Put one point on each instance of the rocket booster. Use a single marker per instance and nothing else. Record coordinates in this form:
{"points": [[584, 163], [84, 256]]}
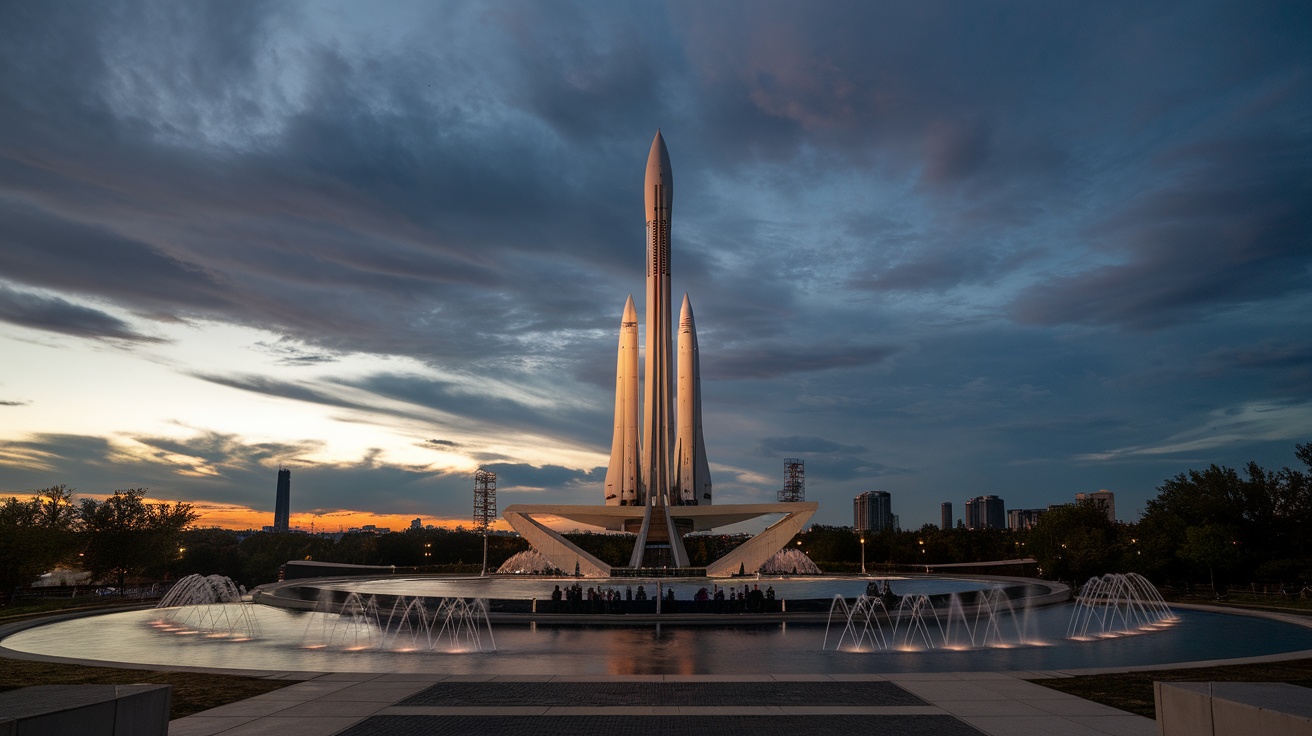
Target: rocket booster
{"points": [[622, 475], [692, 474]]}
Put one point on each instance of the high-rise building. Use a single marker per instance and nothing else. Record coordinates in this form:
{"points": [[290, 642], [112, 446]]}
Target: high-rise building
{"points": [[985, 512], [873, 512], [1023, 518], [945, 515], [283, 502], [1104, 497]]}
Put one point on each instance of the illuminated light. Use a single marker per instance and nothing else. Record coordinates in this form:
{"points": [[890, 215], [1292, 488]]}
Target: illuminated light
{"points": [[356, 649], [314, 646]]}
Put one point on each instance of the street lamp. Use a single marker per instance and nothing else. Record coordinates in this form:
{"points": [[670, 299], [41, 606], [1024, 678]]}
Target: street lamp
{"points": [[863, 555]]}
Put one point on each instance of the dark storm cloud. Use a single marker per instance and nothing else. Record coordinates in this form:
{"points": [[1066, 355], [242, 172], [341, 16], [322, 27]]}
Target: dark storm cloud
{"points": [[14, 403], [60, 315], [552, 477], [291, 352], [480, 408], [765, 361], [281, 389], [484, 407], [1235, 227], [809, 445]]}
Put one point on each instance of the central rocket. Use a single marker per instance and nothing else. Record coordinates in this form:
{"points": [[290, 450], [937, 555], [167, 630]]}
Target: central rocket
{"points": [[658, 404]]}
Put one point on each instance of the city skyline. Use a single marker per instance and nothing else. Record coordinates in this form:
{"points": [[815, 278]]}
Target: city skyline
{"points": [[945, 252]]}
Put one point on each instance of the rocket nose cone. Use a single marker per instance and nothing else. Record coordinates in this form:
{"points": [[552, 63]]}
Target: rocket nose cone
{"points": [[686, 309], [630, 313], [659, 184]]}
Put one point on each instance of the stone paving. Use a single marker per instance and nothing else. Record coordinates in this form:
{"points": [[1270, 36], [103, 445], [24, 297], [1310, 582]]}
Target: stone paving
{"points": [[953, 704]]}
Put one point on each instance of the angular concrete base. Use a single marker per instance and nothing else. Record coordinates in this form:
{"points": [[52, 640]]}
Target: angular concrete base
{"points": [[1232, 709], [86, 710], [749, 556]]}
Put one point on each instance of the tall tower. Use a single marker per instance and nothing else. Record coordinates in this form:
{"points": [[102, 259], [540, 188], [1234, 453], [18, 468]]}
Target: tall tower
{"points": [[692, 474], [794, 489], [658, 188], [622, 475], [282, 503]]}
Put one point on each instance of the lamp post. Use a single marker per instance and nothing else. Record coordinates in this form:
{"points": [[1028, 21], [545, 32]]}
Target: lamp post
{"points": [[863, 555]]}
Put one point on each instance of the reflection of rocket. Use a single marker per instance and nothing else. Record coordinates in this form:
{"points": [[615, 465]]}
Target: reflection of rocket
{"points": [[622, 475], [692, 475], [658, 191]]}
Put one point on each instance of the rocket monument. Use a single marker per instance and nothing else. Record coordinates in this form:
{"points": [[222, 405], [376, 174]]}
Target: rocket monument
{"points": [[658, 482]]}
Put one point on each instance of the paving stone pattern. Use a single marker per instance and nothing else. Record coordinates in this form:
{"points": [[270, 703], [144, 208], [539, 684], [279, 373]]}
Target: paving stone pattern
{"points": [[623, 725], [629, 694]]}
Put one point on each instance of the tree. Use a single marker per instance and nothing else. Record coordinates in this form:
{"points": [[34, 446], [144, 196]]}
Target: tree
{"points": [[1075, 542], [1264, 514], [125, 536], [35, 535], [1211, 546]]}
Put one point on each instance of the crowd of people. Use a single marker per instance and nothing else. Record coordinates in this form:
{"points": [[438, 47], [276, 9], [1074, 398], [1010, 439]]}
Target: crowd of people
{"points": [[716, 599]]}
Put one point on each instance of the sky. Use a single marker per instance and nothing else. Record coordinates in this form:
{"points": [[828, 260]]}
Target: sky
{"points": [[936, 249]]}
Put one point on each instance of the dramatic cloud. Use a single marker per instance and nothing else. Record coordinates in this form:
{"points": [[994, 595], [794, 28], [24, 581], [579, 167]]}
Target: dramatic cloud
{"points": [[957, 248], [54, 314]]}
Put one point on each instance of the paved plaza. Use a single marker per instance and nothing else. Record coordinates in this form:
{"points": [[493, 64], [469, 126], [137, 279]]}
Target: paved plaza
{"points": [[952, 704]]}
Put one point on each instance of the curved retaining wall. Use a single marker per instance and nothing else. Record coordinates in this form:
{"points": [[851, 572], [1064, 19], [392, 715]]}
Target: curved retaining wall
{"points": [[311, 594]]}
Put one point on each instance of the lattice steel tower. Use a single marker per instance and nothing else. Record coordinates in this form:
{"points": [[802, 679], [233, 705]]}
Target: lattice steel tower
{"points": [[485, 499], [794, 489]]}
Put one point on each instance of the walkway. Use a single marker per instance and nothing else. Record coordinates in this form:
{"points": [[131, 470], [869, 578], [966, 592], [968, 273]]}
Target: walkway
{"points": [[658, 705]]}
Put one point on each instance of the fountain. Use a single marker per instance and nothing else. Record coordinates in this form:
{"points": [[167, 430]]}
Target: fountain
{"points": [[915, 623], [210, 606], [529, 562], [789, 561], [1118, 604], [410, 625]]}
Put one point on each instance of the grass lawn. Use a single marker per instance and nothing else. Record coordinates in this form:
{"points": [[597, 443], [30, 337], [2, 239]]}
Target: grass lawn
{"points": [[192, 691], [1133, 691]]}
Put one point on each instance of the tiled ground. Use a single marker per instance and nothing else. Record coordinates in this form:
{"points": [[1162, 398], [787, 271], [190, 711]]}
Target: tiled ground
{"points": [[661, 693], [932, 703]]}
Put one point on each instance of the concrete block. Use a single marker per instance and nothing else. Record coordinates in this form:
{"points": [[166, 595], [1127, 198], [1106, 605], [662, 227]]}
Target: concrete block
{"points": [[1183, 708], [85, 710], [1233, 709], [142, 710]]}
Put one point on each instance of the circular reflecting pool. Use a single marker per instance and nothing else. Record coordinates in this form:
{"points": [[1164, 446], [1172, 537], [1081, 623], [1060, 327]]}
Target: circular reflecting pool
{"points": [[523, 649]]}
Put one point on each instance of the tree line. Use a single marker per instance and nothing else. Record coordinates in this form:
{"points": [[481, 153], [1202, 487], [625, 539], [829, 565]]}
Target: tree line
{"points": [[1210, 527], [120, 538], [1213, 527]]}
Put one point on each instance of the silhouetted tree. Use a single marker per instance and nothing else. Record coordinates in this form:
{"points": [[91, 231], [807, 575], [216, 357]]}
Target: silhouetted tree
{"points": [[125, 536], [209, 551], [1264, 515], [1075, 542], [35, 535]]}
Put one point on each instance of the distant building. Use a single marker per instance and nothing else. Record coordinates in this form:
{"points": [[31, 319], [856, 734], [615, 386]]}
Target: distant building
{"points": [[873, 512], [1023, 518], [283, 502], [1105, 497], [416, 523], [985, 512], [945, 515]]}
